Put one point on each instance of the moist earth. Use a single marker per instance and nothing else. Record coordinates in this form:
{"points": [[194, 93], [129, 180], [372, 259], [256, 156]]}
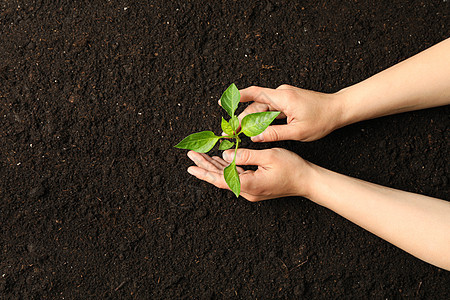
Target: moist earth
{"points": [[96, 202]]}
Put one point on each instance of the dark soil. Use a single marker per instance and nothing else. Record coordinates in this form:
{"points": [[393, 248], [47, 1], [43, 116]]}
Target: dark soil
{"points": [[96, 202]]}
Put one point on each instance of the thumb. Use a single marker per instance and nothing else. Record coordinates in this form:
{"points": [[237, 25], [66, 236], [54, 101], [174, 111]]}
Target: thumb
{"points": [[248, 157], [275, 133]]}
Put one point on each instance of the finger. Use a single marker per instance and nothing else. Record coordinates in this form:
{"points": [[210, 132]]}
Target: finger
{"points": [[249, 157], [220, 161], [209, 176], [218, 181], [202, 162], [260, 95], [259, 107], [240, 170], [225, 164], [286, 87], [212, 161], [254, 108], [276, 133]]}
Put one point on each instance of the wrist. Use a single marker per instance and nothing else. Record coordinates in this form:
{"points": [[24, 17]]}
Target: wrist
{"points": [[306, 180], [315, 183], [342, 108]]}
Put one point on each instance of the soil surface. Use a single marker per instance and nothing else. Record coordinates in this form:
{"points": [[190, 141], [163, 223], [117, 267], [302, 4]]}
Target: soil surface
{"points": [[96, 202]]}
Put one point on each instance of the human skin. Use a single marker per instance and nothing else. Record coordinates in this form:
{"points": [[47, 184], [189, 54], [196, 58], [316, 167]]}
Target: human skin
{"points": [[418, 224], [419, 82], [415, 223]]}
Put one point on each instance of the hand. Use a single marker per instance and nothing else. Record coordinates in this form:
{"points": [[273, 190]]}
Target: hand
{"points": [[280, 172], [310, 115]]}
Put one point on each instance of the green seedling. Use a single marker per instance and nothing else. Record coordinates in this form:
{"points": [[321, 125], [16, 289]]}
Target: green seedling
{"points": [[251, 125]]}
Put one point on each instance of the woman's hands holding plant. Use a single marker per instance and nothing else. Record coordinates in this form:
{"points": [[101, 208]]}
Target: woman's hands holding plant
{"points": [[310, 115]]}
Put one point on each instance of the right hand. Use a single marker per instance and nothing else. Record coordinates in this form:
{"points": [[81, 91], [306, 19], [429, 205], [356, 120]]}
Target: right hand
{"points": [[310, 115]]}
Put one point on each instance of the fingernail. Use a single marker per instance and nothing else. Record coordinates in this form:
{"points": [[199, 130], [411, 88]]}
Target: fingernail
{"points": [[226, 156], [190, 171], [258, 138], [191, 156]]}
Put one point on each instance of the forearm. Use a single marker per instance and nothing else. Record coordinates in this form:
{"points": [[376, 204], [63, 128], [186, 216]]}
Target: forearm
{"points": [[419, 82], [418, 224]]}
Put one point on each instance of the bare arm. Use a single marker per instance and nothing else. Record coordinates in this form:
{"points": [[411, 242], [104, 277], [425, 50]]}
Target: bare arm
{"points": [[418, 224], [419, 82]]}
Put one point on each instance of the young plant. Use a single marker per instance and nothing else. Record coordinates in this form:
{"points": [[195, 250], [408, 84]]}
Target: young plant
{"points": [[251, 125]]}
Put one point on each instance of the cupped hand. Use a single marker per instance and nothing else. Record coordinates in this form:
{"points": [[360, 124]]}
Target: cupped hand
{"points": [[280, 172], [310, 115]]}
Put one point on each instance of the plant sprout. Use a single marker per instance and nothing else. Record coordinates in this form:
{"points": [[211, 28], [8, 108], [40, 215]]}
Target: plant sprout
{"points": [[251, 125]]}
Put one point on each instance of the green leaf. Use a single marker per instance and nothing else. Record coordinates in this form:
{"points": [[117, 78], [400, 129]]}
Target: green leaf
{"points": [[234, 123], [225, 145], [254, 124], [230, 99], [232, 178], [200, 142], [226, 127]]}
